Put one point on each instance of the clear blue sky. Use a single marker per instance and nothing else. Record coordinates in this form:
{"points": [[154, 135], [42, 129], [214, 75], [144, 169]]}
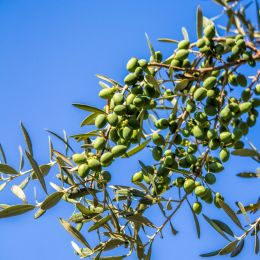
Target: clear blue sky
{"points": [[49, 54]]}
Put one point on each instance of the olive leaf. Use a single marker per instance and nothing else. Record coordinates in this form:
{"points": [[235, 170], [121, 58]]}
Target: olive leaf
{"points": [[15, 210], [199, 22], [230, 213], [37, 171], [245, 152], [89, 120], [3, 154], [5, 168], [185, 33], [52, 200], [108, 80], [238, 249], [214, 253], [89, 108], [74, 232], [152, 52], [228, 248], [100, 223], [248, 175], [17, 191], [27, 139]]}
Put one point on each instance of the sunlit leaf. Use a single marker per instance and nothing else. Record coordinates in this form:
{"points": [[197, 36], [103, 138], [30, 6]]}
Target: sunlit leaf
{"points": [[5, 168], [100, 223], [17, 191], [27, 139], [199, 22], [136, 149], [52, 200], [228, 248], [15, 210]]}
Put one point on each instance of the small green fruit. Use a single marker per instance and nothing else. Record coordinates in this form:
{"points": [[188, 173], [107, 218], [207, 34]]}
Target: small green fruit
{"points": [[118, 98], [209, 82], [245, 107], [78, 158], [209, 31], [189, 185], [132, 64], [106, 93], [181, 55], [200, 43], [157, 153], [200, 94], [118, 150], [224, 155], [100, 121], [120, 110], [94, 164], [106, 176], [197, 207], [112, 119], [106, 158], [130, 79], [257, 89], [198, 132], [83, 170], [137, 177], [99, 143], [158, 139], [200, 191], [210, 178], [185, 44], [225, 137], [127, 132]]}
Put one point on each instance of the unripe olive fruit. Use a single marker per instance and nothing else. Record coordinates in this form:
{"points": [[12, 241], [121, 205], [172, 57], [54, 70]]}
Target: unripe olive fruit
{"points": [[106, 176], [215, 167], [181, 55], [212, 134], [241, 80], [137, 177], [106, 158], [200, 191], [78, 158], [176, 63], [158, 139], [149, 90], [211, 110], [157, 153], [143, 63], [99, 143], [94, 164], [237, 134], [210, 178], [214, 144], [224, 155], [179, 182], [239, 145], [200, 94], [230, 42], [83, 170], [197, 207], [100, 121], [235, 50], [189, 185], [112, 119], [246, 94], [193, 148], [132, 64], [113, 135], [209, 82], [198, 132], [127, 132], [120, 110], [162, 123], [106, 93], [130, 79], [200, 43], [257, 89], [190, 106], [209, 31], [225, 136], [245, 107], [118, 150], [118, 98], [184, 44], [225, 113]]}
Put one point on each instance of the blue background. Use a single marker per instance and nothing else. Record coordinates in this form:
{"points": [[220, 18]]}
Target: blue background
{"points": [[49, 54]]}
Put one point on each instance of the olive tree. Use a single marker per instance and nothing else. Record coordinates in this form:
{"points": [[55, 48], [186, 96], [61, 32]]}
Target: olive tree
{"points": [[190, 111]]}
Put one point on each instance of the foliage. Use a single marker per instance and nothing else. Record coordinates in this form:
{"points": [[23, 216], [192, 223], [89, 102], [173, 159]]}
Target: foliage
{"points": [[189, 110]]}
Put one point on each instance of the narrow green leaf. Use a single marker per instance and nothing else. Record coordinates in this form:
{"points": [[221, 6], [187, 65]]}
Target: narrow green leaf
{"points": [[243, 210], [89, 120], [248, 175], [5, 168], [214, 253], [15, 210], [52, 200], [21, 158], [152, 52], [100, 223], [37, 171], [74, 232], [3, 185], [167, 40], [17, 191], [245, 152], [224, 227], [136, 149], [27, 139], [44, 168], [250, 207], [112, 81], [199, 22], [24, 183], [230, 213], [256, 244], [89, 108], [197, 224], [39, 213], [238, 249], [215, 226], [185, 33], [228, 248], [181, 85], [3, 154], [82, 137], [61, 139], [149, 252], [137, 218], [257, 14]]}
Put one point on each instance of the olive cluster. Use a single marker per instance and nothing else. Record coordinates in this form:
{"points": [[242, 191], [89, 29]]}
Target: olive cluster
{"points": [[195, 139]]}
